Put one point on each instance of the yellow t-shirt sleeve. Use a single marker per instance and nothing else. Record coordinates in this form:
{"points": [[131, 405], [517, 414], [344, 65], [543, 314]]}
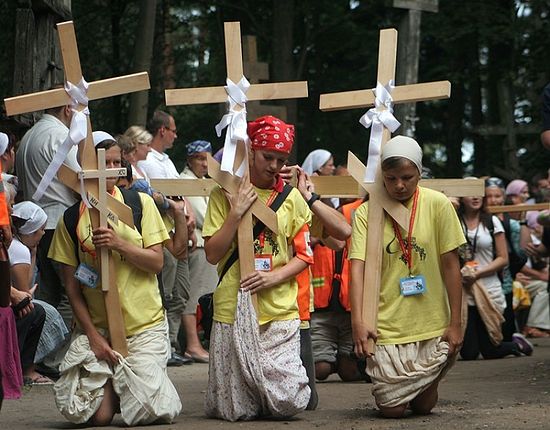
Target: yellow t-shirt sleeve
{"points": [[218, 208], [450, 231], [301, 215], [359, 233], [62, 248], [153, 230]]}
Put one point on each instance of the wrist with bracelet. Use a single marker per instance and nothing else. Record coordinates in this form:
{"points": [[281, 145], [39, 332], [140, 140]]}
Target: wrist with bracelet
{"points": [[314, 197]]}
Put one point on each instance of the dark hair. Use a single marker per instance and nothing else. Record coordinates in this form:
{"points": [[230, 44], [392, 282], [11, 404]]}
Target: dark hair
{"points": [[106, 144], [129, 173], [396, 162], [484, 216], [17, 223], [160, 119]]}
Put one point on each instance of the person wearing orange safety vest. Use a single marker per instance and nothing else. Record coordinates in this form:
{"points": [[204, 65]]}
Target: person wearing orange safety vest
{"points": [[331, 322], [325, 221]]}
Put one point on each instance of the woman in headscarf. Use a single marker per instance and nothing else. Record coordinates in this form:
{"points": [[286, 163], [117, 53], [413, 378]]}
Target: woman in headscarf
{"points": [[517, 193], [419, 326], [29, 221], [257, 371]]}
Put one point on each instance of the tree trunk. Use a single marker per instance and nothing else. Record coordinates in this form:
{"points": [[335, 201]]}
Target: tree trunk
{"points": [[145, 34], [283, 68], [167, 52]]}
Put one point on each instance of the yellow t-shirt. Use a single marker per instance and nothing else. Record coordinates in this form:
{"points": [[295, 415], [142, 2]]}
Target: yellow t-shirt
{"points": [[405, 319], [139, 293], [276, 303]]}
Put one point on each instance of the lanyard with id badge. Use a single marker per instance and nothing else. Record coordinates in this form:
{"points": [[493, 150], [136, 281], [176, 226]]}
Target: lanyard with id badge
{"points": [[264, 262], [411, 285]]}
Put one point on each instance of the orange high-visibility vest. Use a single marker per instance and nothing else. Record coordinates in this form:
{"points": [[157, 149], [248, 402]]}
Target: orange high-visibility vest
{"points": [[348, 211], [4, 216]]}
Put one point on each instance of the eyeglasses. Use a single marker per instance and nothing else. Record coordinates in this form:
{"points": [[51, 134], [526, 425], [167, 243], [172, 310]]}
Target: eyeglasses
{"points": [[173, 130], [494, 182]]}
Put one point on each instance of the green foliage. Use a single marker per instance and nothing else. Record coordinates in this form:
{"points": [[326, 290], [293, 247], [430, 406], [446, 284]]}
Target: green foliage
{"points": [[476, 44]]}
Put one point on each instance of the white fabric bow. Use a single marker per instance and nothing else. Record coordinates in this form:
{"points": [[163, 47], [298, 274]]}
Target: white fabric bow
{"points": [[235, 121], [78, 131], [380, 116]]}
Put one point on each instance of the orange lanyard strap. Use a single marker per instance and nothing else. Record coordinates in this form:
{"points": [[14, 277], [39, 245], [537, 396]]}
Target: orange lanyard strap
{"points": [[261, 237], [407, 251]]}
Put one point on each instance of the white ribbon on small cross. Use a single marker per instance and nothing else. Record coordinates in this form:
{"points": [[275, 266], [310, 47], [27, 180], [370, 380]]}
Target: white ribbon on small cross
{"points": [[235, 121], [78, 131], [380, 116]]}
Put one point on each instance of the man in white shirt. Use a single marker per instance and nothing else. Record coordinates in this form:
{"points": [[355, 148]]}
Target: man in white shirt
{"points": [[175, 273], [33, 157]]}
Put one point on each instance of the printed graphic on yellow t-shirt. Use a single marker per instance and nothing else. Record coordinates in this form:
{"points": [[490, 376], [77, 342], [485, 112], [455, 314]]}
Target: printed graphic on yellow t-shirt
{"points": [[436, 231]]}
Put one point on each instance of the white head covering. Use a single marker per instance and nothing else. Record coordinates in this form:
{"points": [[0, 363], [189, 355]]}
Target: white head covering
{"points": [[34, 216], [315, 160], [405, 147], [4, 141], [100, 136]]}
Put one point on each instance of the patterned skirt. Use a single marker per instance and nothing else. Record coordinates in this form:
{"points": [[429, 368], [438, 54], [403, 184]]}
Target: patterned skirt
{"points": [[255, 371]]}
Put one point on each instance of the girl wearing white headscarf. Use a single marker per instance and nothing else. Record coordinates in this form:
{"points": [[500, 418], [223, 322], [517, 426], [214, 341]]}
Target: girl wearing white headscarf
{"points": [[29, 221], [419, 312]]}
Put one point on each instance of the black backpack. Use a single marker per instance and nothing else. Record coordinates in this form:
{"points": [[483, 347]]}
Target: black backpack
{"points": [[70, 216]]}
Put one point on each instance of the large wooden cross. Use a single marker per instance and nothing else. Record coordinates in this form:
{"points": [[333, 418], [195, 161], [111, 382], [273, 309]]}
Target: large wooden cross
{"points": [[104, 207], [379, 200], [234, 63]]}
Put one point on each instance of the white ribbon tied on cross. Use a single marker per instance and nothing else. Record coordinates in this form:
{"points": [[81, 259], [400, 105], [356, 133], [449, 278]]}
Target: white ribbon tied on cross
{"points": [[235, 121], [78, 131], [380, 116]]}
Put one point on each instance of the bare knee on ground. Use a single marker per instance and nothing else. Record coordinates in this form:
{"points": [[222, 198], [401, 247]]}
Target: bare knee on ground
{"points": [[109, 406]]}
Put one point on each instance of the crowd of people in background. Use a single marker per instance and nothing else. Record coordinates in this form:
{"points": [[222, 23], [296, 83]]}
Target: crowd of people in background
{"points": [[492, 266]]}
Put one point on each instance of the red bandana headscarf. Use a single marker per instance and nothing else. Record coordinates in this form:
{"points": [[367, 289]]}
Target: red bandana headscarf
{"points": [[271, 134]]}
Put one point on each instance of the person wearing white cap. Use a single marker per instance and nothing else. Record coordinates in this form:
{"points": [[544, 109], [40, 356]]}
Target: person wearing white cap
{"points": [[34, 155], [419, 313], [96, 380]]}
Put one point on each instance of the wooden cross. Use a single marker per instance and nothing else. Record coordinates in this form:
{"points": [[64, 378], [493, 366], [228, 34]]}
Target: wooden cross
{"points": [[234, 63], [379, 199], [93, 173], [256, 71], [326, 186]]}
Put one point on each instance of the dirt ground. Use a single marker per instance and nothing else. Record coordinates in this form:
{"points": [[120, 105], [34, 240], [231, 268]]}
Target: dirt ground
{"points": [[512, 393]]}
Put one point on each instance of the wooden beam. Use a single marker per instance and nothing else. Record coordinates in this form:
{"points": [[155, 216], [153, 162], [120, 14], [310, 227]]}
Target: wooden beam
{"points": [[184, 187], [401, 94], [231, 183], [70, 179], [58, 97], [519, 208], [193, 96]]}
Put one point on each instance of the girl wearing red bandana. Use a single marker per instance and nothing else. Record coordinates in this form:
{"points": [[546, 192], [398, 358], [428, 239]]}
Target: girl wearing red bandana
{"points": [[258, 372]]}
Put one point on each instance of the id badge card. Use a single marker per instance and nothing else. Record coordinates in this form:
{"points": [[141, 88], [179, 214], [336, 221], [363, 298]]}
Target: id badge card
{"points": [[263, 263], [412, 285], [86, 275]]}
